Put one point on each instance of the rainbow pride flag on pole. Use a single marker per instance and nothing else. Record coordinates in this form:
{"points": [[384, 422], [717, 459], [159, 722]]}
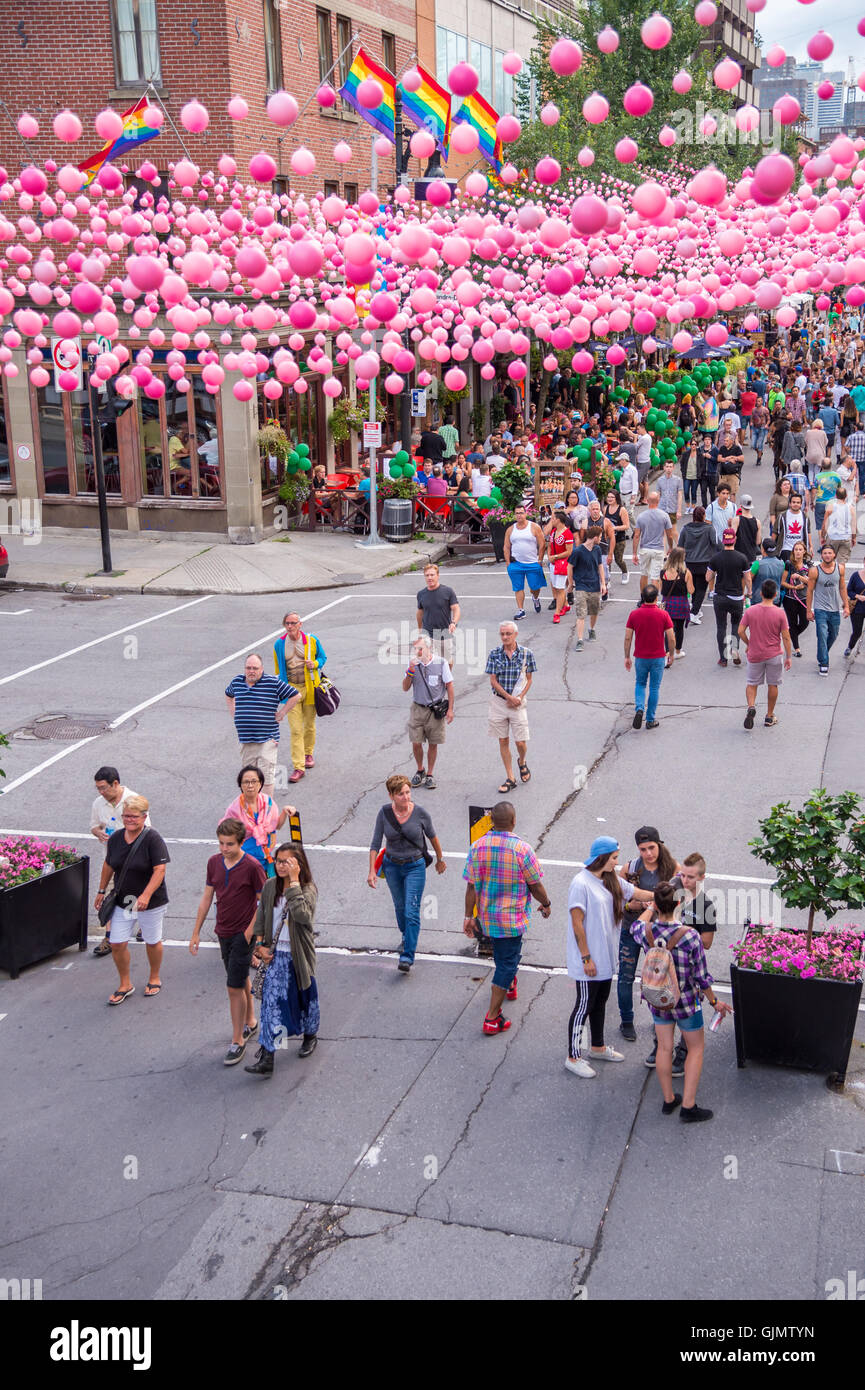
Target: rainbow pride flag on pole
{"points": [[135, 132], [478, 112], [429, 108], [381, 117]]}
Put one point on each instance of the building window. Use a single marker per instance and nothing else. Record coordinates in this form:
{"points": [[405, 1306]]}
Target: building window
{"points": [[343, 47], [351, 192], [504, 87], [388, 51], [325, 45], [136, 42], [451, 49], [6, 478], [331, 188], [272, 46], [481, 59]]}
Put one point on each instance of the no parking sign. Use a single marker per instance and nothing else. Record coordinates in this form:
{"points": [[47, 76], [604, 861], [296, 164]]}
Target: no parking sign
{"points": [[66, 356]]}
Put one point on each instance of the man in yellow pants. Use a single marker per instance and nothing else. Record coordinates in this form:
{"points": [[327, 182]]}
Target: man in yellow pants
{"points": [[298, 657]]}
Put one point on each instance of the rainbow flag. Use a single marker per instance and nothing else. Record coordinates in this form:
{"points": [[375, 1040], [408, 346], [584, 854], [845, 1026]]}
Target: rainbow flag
{"points": [[429, 108], [135, 132], [382, 117], [481, 115]]}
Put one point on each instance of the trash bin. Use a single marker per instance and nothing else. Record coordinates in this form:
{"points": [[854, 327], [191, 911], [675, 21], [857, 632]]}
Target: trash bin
{"points": [[397, 518]]}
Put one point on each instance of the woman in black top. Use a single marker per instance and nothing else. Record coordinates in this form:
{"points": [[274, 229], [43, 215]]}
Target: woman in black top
{"points": [[747, 528], [136, 858], [794, 591], [677, 585], [617, 513], [405, 828]]}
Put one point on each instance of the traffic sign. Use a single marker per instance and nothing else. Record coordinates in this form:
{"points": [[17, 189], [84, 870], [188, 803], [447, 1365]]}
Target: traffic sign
{"points": [[418, 401], [372, 434], [66, 355]]}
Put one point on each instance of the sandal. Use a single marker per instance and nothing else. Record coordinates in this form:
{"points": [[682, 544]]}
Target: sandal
{"points": [[151, 990], [104, 948], [507, 786], [525, 774], [120, 994]]}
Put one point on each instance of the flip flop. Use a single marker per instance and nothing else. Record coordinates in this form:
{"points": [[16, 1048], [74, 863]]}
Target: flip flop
{"points": [[119, 995], [151, 990]]}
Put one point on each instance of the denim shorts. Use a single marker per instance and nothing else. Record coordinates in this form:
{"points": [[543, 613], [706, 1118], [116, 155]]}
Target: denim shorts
{"points": [[686, 1025], [506, 954]]}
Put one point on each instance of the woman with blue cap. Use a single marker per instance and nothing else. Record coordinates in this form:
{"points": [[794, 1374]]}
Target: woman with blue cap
{"points": [[595, 900]]}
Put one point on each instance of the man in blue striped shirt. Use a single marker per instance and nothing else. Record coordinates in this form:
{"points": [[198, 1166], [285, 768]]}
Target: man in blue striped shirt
{"points": [[257, 703]]}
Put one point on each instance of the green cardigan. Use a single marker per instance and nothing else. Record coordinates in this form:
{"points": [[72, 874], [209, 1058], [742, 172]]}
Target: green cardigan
{"points": [[300, 919]]}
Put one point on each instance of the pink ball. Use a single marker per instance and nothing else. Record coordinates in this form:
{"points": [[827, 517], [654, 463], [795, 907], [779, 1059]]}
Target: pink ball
{"points": [[586, 157], [342, 152], [39, 376], [582, 362], [786, 317], [243, 390], [185, 173], [786, 110], [682, 341], [512, 63], [716, 335], [860, 28], [727, 74], [774, 176], [67, 381], [464, 138], [705, 12], [550, 363], [272, 390], [28, 126], [262, 167], [33, 181], [615, 355], [67, 127], [516, 371], [565, 57], [550, 114], [476, 184], [332, 388], [108, 124], [657, 31], [251, 262], [649, 199], [456, 379], [820, 46], [608, 40], [412, 80], [775, 56], [626, 151], [588, 215], [747, 118], [238, 109], [666, 136], [194, 116], [754, 6], [422, 144], [826, 91], [682, 82], [508, 129], [282, 108], [596, 108], [302, 160], [708, 187], [326, 96], [463, 79], [384, 307], [393, 384], [438, 193], [370, 93], [638, 100], [383, 149], [548, 170]]}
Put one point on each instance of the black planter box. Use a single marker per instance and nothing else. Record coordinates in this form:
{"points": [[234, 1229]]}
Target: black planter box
{"points": [[788, 1022], [44, 916], [497, 531]]}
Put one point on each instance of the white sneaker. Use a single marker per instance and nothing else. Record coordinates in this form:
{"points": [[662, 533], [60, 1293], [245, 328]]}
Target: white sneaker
{"points": [[625, 577], [609, 1054], [579, 1067], [696, 618], [679, 655]]}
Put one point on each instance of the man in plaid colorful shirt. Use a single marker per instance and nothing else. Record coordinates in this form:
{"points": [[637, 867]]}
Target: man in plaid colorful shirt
{"points": [[510, 668], [502, 876], [854, 448]]}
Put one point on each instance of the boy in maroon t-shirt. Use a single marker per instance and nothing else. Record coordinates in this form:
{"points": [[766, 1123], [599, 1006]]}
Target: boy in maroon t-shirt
{"points": [[655, 640], [236, 879]]}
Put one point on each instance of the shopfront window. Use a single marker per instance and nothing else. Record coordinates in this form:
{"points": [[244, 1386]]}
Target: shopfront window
{"points": [[66, 440], [301, 415], [179, 443], [5, 439]]}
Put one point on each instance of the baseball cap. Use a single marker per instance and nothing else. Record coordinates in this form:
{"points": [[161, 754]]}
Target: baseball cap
{"points": [[647, 832], [620, 457], [745, 500], [729, 536], [604, 844]]}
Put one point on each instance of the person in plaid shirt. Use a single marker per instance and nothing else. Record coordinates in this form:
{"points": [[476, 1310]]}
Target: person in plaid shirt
{"points": [[502, 876], [695, 982], [510, 668]]}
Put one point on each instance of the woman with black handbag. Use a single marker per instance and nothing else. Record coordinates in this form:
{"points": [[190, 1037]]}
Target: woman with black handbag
{"points": [[137, 860], [403, 863], [284, 951]]}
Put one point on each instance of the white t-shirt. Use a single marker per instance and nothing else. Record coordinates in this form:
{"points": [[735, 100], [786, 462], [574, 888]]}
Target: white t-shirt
{"points": [[588, 892], [481, 483], [629, 482], [838, 394], [849, 479], [644, 448], [108, 816]]}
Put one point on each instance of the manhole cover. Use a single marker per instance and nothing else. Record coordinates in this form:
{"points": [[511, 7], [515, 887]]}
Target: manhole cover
{"points": [[66, 727]]}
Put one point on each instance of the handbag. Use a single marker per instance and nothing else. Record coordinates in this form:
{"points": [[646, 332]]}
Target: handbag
{"points": [[427, 857], [257, 986], [112, 899], [439, 707], [326, 697]]}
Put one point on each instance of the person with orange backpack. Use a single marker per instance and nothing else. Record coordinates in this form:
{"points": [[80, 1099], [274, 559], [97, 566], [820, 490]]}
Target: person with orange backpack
{"points": [[675, 980]]}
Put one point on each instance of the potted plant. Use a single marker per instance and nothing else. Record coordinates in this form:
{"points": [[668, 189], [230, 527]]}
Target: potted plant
{"points": [[347, 416], [796, 992], [43, 901]]}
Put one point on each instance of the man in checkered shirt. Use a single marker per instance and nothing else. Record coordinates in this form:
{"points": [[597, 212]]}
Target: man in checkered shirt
{"points": [[854, 448], [510, 668]]}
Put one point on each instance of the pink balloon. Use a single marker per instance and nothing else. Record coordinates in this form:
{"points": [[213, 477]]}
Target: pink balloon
{"points": [[393, 384], [464, 138], [39, 377], [332, 388], [455, 379], [516, 371], [607, 40], [463, 79], [272, 390], [566, 57], [826, 91], [586, 157], [550, 114], [657, 31], [508, 129], [582, 362], [412, 80], [775, 56], [786, 110], [243, 390], [705, 12], [666, 136], [820, 46], [67, 126], [682, 82], [588, 215], [716, 335], [238, 109], [786, 317], [370, 93], [727, 74], [548, 170], [282, 109], [626, 151], [649, 199], [512, 63], [615, 355], [108, 124], [774, 176], [262, 167], [302, 160], [638, 100], [194, 116], [422, 144], [342, 152], [596, 108], [384, 149], [28, 126], [682, 341]]}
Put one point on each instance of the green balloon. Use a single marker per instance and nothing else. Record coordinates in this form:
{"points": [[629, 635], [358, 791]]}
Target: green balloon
{"points": [[395, 469], [584, 454], [408, 470], [496, 494], [305, 464], [303, 450], [291, 467], [402, 458], [485, 504], [294, 457]]}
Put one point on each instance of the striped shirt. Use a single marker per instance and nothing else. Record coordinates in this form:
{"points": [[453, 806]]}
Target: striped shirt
{"points": [[501, 866], [255, 707]]}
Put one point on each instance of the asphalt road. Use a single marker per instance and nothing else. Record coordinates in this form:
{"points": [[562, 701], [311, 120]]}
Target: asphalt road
{"points": [[410, 1151]]}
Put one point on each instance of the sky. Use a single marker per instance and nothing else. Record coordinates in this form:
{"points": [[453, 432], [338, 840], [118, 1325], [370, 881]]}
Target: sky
{"points": [[792, 24]]}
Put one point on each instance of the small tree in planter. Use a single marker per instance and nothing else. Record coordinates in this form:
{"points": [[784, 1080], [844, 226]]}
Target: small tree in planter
{"points": [[796, 993]]}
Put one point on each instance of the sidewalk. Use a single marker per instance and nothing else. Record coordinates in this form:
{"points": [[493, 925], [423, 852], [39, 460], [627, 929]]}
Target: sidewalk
{"points": [[165, 565]]}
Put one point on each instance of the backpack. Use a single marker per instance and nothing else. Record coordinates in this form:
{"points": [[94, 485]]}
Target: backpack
{"points": [[660, 986]]}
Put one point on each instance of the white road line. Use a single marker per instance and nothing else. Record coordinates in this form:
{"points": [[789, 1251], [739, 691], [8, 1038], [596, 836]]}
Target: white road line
{"points": [[163, 694], [14, 613], [354, 849], [73, 651]]}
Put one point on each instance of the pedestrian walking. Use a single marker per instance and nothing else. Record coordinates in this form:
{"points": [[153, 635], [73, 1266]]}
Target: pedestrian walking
{"points": [[671, 493], [258, 703], [721, 513], [826, 602], [510, 668], [677, 587], [587, 580], [616, 514], [653, 864], [697, 539], [653, 536], [765, 628], [729, 581], [431, 683], [748, 529], [560, 544], [769, 566], [839, 525], [524, 556], [438, 612], [106, 817], [235, 879], [856, 603], [284, 942], [259, 815], [629, 483], [791, 526], [794, 592], [650, 629], [660, 922], [405, 829], [502, 876], [299, 659], [595, 900], [135, 858]]}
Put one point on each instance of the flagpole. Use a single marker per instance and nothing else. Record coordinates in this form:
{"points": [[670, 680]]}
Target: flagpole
{"points": [[14, 125], [321, 81], [151, 88]]}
